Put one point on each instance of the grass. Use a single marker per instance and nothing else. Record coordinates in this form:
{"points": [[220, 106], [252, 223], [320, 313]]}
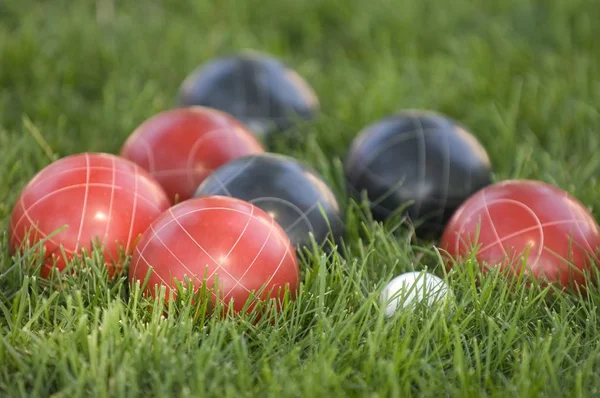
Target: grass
{"points": [[522, 74]]}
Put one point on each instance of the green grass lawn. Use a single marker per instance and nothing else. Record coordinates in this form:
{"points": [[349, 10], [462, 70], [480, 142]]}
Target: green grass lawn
{"points": [[522, 74]]}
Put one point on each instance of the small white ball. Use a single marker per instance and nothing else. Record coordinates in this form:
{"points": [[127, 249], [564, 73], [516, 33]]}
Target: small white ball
{"points": [[407, 289]]}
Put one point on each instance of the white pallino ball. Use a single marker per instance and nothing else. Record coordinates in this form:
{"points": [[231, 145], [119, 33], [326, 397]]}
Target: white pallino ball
{"points": [[408, 289]]}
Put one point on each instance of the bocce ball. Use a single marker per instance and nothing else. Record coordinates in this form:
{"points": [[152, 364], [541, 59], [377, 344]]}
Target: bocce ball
{"points": [[181, 147], [291, 192], [100, 198], [525, 222], [256, 88], [407, 290], [219, 238], [417, 160]]}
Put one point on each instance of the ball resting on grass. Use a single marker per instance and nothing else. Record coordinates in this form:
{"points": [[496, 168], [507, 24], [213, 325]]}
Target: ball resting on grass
{"points": [[258, 89], [225, 245], [421, 161], [292, 193], [526, 227], [407, 290], [82, 200], [181, 147]]}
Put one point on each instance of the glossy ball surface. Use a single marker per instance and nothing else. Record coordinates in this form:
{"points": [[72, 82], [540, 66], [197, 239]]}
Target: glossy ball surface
{"points": [[407, 290], [291, 192], [99, 197], [180, 147], [217, 237], [419, 160], [525, 219], [257, 89]]}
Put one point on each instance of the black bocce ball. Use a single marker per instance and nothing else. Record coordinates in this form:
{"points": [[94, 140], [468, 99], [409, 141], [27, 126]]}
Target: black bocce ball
{"points": [[259, 90], [291, 192], [420, 161]]}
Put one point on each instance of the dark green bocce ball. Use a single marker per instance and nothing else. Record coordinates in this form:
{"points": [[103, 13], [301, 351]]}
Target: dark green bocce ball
{"points": [[420, 161], [259, 90], [291, 192]]}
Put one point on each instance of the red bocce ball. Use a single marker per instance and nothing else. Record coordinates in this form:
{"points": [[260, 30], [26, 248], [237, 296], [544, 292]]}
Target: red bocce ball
{"points": [[524, 219], [99, 198], [181, 147], [217, 237]]}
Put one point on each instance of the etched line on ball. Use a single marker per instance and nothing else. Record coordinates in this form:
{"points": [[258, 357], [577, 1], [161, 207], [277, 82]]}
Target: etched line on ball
{"points": [[112, 197], [223, 186], [250, 216], [240, 170], [241, 278], [149, 155], [173, 219], [92, 168], [156, 236], [85, 199], [176, 219], [364, 166], [463, 226], [92, 184], [306, 213], [191, 158], [398, 139], [35, 226], [218, 264], [446, 171], [301, 215], [567, 197], [287, 253], [493, 226], [164, 225], [536, 219], [529, 229], [422, 149], [133, 211], [499, 241], [150, 266]]}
